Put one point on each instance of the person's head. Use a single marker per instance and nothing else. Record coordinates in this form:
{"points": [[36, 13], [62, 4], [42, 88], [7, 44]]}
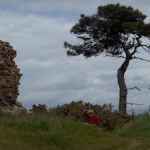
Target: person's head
{"points": [[90, 112]]}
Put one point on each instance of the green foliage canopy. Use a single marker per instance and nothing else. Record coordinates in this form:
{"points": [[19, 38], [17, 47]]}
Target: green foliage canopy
{"points": [[109, 30]]}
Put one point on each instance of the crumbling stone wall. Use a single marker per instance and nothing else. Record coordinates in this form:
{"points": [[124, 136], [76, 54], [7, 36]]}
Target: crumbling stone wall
{"points": [[9, 79]]}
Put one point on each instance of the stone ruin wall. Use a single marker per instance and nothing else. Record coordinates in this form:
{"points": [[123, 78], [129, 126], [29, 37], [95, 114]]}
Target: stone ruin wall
{"points": [[9, 79]]}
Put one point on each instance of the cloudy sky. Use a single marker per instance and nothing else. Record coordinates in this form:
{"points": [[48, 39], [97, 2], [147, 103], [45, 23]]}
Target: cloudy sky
{"points": [[37, 30]]}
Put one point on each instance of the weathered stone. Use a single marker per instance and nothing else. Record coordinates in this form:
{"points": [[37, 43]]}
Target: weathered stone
{"points": [[9, 79], [18, 104]]}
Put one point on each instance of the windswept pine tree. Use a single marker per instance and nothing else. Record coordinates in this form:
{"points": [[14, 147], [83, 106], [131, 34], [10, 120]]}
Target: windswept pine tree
{"points": [[117, 31]]}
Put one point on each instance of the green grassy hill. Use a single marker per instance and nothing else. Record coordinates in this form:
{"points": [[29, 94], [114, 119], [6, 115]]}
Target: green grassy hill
{"points": [[39, 132]]}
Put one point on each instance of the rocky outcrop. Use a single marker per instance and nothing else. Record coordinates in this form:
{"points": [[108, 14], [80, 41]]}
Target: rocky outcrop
{"points": [[9, 79]]}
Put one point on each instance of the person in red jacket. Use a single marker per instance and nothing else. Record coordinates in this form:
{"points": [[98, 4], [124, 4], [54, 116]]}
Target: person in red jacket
{"points": [[93, 119]]}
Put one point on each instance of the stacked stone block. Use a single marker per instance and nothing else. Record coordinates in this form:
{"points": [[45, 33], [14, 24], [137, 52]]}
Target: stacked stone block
{"points": [[9, 79]]}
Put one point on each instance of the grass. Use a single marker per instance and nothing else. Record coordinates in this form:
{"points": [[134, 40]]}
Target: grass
{"points": [[139, 128], [38, 132]]}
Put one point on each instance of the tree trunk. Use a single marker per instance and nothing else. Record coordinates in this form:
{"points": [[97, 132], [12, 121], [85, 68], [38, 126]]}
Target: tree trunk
{"points": [[122, 85]]}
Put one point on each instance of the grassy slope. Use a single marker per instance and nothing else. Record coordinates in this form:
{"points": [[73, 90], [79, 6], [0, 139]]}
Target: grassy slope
{"points": [[47, 133], [139, 129]]}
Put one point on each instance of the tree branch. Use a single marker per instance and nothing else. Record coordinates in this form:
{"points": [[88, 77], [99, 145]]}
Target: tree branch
{"points": [[135, 88], [137, 38], [141, 59], [148, 48], [115, 56]]}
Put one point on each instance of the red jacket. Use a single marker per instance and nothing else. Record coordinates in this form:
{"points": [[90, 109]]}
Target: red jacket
{"points": [[94, 120]]}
